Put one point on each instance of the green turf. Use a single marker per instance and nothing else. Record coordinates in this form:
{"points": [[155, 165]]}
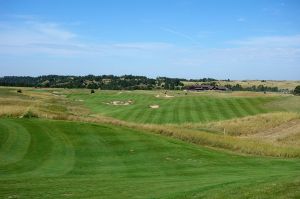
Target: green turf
{"points": [[59, 159], [179, 109]]}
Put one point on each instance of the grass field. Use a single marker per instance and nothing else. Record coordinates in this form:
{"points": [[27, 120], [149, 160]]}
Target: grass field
{"points": [[179, 108], [111, 144], [57, 159]]}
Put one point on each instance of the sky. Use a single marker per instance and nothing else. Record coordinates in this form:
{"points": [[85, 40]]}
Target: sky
{"points": [[249, 39]]}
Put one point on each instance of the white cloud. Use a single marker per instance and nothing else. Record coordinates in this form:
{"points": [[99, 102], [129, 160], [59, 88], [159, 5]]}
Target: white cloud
{"points": [[51, 30], [249, 56], [35, 37], [270, 41]]}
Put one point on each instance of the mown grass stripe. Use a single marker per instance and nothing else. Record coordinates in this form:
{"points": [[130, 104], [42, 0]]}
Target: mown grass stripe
{"points": [[244, 107], [222, 107], [252, 109], [16, 144], [199, 104], [175, 107], [36, 153], [234, 107], [209, 109], [187, 109], [163, 111], [257, 104]]}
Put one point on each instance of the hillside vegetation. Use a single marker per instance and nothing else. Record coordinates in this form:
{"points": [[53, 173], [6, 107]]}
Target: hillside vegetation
{"points": [[281, 85]]}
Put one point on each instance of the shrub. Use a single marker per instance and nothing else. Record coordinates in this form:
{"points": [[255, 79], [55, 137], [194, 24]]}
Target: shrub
{"points": [[30, 114], [297, 90]]}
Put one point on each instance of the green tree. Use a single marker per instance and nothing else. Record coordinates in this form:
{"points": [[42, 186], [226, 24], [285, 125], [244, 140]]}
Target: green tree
{"points": [[297, 90]]}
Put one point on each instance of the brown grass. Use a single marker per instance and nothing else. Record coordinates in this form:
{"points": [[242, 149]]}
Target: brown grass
{"points": [[248, 125]]}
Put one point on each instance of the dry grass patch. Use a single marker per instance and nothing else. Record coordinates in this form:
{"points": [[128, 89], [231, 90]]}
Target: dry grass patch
{"points": [[248, 125], [12, 110], [41, 104], [285, 134]]}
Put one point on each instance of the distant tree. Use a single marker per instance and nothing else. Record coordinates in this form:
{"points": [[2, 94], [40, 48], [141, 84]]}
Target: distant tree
{"points": [[297, 90]]}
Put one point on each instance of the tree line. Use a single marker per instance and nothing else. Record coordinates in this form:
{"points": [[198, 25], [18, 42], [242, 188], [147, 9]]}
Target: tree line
{"points": [[107, 82], [124, 82], [259, 88]]}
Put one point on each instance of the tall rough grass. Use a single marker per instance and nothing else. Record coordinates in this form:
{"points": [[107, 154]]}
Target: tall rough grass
{"points": [[248, 125], [12, 110]]}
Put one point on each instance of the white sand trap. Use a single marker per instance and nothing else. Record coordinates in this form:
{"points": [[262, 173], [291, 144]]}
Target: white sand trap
{"points": [[155, 106], [168, 96], [120, 103]]}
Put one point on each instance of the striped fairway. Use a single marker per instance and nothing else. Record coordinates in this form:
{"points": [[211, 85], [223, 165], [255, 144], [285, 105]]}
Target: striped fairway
{"points": [[59, 159], [179, 109]]}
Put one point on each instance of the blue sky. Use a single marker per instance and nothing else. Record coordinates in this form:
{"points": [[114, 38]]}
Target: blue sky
{"points": [[254, 39]]}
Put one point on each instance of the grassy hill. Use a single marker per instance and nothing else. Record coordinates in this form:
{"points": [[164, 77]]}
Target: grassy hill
{"points": [[60, 159]]}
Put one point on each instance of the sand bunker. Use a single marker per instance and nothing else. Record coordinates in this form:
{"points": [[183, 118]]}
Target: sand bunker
{"points": [[155, 106], [120, 103], [166, 96]]}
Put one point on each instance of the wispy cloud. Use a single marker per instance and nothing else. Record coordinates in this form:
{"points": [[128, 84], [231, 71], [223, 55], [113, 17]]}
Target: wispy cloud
{"points": [[178, 33], [30, 35], [270, 41], [34, 37], [51, 30]]}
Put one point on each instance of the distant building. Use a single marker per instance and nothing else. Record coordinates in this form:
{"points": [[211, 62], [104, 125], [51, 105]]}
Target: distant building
{"points": [[206, 88]]}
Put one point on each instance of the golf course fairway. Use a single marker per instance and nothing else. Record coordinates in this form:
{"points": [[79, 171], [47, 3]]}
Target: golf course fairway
{"points": [[61, 159]]}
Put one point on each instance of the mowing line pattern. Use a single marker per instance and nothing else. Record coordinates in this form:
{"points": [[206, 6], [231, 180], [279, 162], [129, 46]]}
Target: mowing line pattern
{"points": [[82, 160], [178, 109]]}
